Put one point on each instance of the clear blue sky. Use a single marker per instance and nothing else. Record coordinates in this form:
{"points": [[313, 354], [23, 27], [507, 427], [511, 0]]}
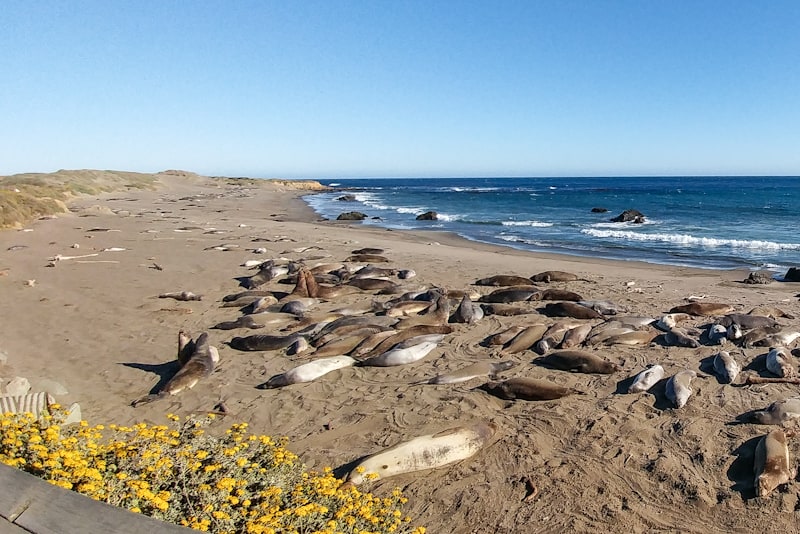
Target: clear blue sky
{"points": [[401, 88]]}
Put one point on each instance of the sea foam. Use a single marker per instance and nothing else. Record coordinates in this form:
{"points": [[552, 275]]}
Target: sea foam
{"points": [[683, 239]]}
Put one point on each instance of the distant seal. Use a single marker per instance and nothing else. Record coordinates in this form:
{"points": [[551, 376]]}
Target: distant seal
{"points": [[367, 250], [679, 388], [636, 337], [245, 321], [309, 372], [646, 379], [505, 310], [570, 309], [554, 276], [425, 452], [779, 362], [726, 367], [298, 306], [703, 308], [200, 364], [771, 466], [476, 370], [529, 389], [367, 258], [503, 280], [778, 413], [181, 295], [747, 321], [557, 294], [579, 361]]}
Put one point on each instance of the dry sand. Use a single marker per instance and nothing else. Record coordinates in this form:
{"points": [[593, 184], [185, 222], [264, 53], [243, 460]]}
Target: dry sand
{"points": [[606, 460]]}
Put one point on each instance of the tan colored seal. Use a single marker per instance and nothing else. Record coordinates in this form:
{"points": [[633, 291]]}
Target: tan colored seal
{"points": [[579, 361], [554, 276], [771, 465], [503, 280], [570, 309], [703, 308], [529, 389], [476, 370], [778, 413]]}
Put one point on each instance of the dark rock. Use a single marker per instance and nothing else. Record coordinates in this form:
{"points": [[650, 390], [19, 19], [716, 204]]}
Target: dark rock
{"points": [[759, 277], [351, 216], [599, 210], [347, 198], [792, 275], [428, 216], [634, 216]]}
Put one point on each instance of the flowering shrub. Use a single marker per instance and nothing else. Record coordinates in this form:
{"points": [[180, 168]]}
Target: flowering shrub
{"points": [[235, 483]]}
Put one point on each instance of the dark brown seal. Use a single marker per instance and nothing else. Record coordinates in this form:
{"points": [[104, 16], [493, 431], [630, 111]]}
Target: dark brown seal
{"points": [[245, 321], [554, 276], [556, 294], [503, 280], [263, 342], [510, 294], [367, 258], [580, 362], [529, 389], [570, 309]]}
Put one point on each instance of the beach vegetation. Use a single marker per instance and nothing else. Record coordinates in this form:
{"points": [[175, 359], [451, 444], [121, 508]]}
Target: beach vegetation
{"points": [[180, 472]]}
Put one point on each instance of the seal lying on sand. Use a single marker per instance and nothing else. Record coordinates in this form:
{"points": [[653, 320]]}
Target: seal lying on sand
{"points": [[245, 321], [726, 367], [200, 364], [703, 308], [425, 452], [503, 280], [554, 276], [476, 370], [646, 379], [771, 466], [529, 389], [579, 361], [777, 413], [679, 388], [570, 309], [308, 372]]}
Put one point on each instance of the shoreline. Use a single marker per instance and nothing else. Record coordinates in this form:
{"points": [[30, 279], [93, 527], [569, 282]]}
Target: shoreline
{"points": [[96, 327]]}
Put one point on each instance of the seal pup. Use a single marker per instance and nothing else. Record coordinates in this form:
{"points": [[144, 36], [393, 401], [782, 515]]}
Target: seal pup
{"points": [[476, 370], [779, 362], [777, 413], [554, 276], [467, 312], [200, 364], [406, 274], [680, 337], [245, 321], [726, 367], [703, 308], [679, 388], [570, 309], [780, 339], [408, 351], [717, 334], [579, 361], [181, 295], [425, 452], [503, 280], [771, 465], [529, 389], [308, 372], [646, 379]]}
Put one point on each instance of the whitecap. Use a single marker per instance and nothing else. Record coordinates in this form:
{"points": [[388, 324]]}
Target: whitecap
{"points": [[535, 224], [684, 239]]}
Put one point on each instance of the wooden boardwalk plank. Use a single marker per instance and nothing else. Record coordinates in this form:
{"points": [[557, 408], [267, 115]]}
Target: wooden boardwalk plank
{"points": [[39, 507]]}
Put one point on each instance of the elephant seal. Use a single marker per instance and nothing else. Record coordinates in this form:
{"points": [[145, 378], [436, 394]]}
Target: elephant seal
{"points": [[403, 335], [671, 320], [408, 351], [575, 336], [726, 367], [770, 311], [557, 294], [646, 379], [181, 295], [635, 337], [186, 347], [501, 338], [367, 250], [503, 280], [467, 312], [425, 452], [777, 413], [408, 308], [529, 389], [779, 362], [510, 294], [570, 309], [248, 293], [505, 310], [717, 334], [579, 361], [753, 336], [771, 466], [779, 339], [554, 276], [747, 321], [262, 342], [525, 339], [477, 369], [367, 258], [605, 307], [703, 308], [604, 331], [245, 321], [307, 286], [308, 372], [679, 388], [200, 364], [679, 337]]}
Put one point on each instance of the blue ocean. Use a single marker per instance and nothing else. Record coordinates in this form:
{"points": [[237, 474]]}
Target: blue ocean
{"points": [[705, 222]]}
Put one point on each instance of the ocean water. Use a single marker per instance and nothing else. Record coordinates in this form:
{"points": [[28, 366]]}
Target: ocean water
{"points": [[706, 222]]}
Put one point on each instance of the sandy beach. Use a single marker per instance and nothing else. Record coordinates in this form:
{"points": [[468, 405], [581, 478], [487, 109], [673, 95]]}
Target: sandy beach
{"points": [[609, 460]]}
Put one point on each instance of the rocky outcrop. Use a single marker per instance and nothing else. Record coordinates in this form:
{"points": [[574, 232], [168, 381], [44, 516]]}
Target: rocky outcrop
{"points": [[599, 210], [428, 216], [347, 198], [792, 275], [759, 277], [351, 216], [634, 216]]}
